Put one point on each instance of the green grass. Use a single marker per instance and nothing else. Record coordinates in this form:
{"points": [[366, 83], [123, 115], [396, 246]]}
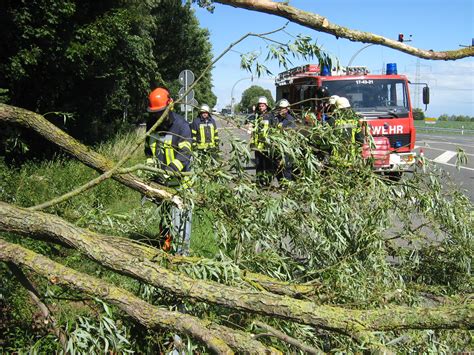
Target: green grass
{"points": [[421, 125]]}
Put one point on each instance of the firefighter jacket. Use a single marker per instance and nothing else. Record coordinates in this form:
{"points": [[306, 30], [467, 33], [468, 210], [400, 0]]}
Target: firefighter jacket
{"points": [[204, 132], [260, 130], [286, 121], [170, 144], [348, 126]]}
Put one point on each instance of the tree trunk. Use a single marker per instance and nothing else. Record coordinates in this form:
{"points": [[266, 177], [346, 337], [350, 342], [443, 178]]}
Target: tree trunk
{"points": [[346, 321], [83, 153]]}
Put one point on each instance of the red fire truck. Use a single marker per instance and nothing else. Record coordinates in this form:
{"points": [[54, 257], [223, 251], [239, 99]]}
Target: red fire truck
{"points": [[382, 101]]}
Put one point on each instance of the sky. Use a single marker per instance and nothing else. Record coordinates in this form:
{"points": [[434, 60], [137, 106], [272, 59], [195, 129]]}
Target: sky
{"points": [[439, 25]]}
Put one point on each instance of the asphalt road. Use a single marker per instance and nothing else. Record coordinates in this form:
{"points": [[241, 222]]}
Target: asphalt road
{"points": [[441, 149]]}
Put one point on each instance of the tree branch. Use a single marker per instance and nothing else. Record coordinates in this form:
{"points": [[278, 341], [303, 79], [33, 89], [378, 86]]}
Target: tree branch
{"points": [[216, 337], [42, 126], [287, 339], [321, 24], [45, 311]]}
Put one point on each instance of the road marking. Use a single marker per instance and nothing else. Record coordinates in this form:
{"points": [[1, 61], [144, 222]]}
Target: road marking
{"points": [[445, 157], [459, 167], [432, 148]]}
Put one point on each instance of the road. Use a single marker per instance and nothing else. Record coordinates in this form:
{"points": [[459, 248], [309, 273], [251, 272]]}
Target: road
{"points": [[441, 149]]}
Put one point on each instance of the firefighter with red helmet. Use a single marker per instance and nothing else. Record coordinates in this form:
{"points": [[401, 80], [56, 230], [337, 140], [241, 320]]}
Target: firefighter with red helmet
{"points": [[169, 148]]}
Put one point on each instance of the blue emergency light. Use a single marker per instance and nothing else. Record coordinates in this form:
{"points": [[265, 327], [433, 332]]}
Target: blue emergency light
{"points": [[325, 71], [391, 69]]}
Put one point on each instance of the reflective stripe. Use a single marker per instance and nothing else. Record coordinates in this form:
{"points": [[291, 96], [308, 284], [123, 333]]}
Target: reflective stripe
{"points": [[202, 131], [168, 148], [213, 140], [153, 148], [178, 164], [184, 144]]}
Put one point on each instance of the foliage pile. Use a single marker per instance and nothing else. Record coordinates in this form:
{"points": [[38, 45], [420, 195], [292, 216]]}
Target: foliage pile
{"points": [[344, 235]]}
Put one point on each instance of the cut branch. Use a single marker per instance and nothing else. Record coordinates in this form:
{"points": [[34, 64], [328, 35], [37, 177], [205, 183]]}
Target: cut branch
{"points": [[346, 321], [321, 24], [218, 338]]}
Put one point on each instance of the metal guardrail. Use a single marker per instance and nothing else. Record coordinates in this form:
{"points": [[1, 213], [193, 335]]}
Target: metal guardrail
{"points": [[461, 131]]}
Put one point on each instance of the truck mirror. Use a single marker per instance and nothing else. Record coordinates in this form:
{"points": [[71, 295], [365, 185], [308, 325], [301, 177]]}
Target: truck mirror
{"points": [[426, 95]]}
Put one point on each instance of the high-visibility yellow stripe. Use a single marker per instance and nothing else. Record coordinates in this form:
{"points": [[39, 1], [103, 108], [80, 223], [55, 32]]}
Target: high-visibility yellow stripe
{"points": [[184, 144], [202, 131], [213, 141], [169, 151], [178, 164], [153, 148]]}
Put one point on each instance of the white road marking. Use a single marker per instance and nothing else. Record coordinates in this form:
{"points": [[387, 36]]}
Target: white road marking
{"points": [[445, 157], [460, 167], [443, 150]]}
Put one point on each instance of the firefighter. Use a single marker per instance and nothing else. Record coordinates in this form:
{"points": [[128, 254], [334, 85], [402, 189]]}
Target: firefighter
{"points": [[260, 128], [168, 148], [346, 125], [204, 131], [284, 120]]}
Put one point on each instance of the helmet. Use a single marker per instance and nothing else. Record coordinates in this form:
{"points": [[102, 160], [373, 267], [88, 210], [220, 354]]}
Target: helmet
{"points": [[263, 100], [283, 103], [333, 99], [158, 100], [342, 102], [322, 92], [204, 108]]}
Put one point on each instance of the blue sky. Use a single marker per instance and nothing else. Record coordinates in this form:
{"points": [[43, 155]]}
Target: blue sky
{"points": [[434, 24]]}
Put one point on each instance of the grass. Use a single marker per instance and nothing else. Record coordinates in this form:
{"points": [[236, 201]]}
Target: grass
{"points": [[109, 208], [441, 126]]}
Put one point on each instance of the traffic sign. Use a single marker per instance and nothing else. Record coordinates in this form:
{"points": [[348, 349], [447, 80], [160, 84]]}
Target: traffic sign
{"points": [[186, 78], [188, 98]]}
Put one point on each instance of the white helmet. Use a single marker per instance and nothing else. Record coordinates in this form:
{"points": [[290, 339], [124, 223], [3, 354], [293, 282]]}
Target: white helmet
{"points": [[263, 100], [342, 102], [205, 108], [333, 99], [283, 103]]}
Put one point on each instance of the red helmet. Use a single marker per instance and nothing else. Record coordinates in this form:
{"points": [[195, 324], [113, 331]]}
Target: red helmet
{"points": [[158, 100]]}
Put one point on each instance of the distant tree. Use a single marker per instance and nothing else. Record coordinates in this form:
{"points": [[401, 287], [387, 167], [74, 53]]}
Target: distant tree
{"points": [[443, 117], [251, 95], [96, 61], [418, 114]]}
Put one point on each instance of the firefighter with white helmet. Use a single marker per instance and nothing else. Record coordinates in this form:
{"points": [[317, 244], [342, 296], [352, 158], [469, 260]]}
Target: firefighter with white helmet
{"points": [[204, 131], [346, 123], [263, 120], [283, 120]]}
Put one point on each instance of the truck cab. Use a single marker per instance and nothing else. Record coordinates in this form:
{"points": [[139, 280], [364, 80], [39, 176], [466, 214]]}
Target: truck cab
{"points": [[382, 101]]}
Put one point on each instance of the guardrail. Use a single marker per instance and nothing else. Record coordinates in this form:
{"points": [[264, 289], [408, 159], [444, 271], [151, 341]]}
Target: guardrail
{"points": [[461, 131]]}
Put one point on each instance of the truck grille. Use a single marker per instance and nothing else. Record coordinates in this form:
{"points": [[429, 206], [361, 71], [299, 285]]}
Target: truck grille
{"points": [[404, 139]]}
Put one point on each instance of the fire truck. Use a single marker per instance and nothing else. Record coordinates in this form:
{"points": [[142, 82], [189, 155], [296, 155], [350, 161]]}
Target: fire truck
{"points": [[381, 101]]}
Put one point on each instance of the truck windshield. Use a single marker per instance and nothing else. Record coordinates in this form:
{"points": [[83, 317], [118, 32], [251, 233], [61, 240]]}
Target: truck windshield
{"points": [[373, 97]]}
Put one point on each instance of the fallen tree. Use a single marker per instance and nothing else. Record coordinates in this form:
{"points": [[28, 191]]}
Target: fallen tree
{"points": [[343, 320]]}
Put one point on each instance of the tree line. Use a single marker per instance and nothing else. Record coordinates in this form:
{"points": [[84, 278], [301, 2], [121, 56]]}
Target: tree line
{"points": [[88, 66]]}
